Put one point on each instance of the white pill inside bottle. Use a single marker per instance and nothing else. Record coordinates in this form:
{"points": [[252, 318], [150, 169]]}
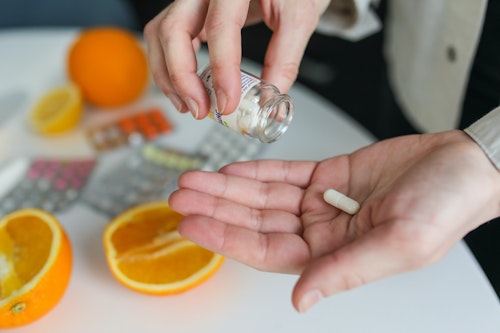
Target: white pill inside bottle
{"points": [[263, 112]]}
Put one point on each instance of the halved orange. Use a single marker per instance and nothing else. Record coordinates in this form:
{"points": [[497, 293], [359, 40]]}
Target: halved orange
{"points": [[57, 111], [146, 253], [35, 266]]}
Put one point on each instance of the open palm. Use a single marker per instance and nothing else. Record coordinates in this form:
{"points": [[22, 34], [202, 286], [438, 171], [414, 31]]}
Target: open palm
{"points": [[417, 200]]}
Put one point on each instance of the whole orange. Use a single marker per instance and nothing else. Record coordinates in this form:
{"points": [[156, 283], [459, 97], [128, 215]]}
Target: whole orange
{"points": [[109, 65]]}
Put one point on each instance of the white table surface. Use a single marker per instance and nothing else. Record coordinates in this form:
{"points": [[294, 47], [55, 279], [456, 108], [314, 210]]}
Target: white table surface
{"points": [[451, 296]]}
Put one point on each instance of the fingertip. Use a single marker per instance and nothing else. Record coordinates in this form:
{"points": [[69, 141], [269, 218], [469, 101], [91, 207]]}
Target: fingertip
{"points": [[220, 95], [281, 77], [172, 200], [185, 178], [175, 100], [317, 281], [305, 295], [193, 97], [310, 298], [203, 231], [192, 107], [228, 94], [180, 183]]}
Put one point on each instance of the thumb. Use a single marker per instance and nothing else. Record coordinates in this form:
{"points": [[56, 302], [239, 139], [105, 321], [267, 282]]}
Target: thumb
{"points": [[375, 255], [286, 49]]}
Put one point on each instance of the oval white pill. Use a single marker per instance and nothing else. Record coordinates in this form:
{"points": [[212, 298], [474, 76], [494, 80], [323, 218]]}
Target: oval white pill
{"points": [[341, 201]]}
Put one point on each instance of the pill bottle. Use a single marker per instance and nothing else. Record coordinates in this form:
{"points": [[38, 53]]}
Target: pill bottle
{"points": [[263, 112]]}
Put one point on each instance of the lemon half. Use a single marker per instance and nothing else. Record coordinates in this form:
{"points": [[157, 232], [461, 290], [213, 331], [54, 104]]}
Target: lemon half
{"points": [[59, 110]]}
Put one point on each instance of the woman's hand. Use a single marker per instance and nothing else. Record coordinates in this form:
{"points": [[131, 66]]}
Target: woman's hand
{"points": [[419, 196], [174, 35]]}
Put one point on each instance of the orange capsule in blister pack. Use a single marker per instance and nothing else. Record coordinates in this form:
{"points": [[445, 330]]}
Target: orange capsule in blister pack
{"points": [[127, 126], [160, 121], [146, 127], [132, 129]]}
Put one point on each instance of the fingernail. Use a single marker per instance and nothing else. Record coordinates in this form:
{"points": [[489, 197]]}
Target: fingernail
{"points": [[176, 101], [309, 299], [221, 101], [193, 107]]}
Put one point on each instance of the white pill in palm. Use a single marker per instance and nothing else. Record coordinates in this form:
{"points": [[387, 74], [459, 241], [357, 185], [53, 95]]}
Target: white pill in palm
{"points": [[341, 201]]}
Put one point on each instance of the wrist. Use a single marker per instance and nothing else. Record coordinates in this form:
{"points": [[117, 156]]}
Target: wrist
{"points": [[489, 175], [486, 133]]}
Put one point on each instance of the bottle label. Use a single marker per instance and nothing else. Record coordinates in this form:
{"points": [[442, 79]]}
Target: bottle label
{"points": [[247, 82]]}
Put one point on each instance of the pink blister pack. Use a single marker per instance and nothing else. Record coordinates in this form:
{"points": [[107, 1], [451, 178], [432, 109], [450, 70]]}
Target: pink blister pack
{"points": [[45, 183]]}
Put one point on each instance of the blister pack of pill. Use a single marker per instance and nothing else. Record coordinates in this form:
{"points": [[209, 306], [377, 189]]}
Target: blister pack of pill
{"points": [[223, 145], [150, 173], [48, 184], [131, 130]]}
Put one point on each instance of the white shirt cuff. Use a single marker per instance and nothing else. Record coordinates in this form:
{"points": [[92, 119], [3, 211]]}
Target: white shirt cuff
{"points": [[486, 133], [349, 19]]}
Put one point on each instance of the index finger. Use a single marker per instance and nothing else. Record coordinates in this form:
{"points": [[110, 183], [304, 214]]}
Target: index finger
{"points": [[180, 26], [296, 173], [223, 25], [248, 192]]}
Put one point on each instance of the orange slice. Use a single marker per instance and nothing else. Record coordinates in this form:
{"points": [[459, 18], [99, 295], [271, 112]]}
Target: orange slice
{"points": [[59, 110], [146, 253], [35, 266]]}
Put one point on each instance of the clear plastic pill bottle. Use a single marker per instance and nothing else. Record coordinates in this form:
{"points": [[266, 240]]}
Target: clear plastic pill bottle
{"points": [[263, 112]]}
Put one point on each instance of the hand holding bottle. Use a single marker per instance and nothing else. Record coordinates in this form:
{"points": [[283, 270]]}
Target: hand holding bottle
{"points": [[175, 34]]}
